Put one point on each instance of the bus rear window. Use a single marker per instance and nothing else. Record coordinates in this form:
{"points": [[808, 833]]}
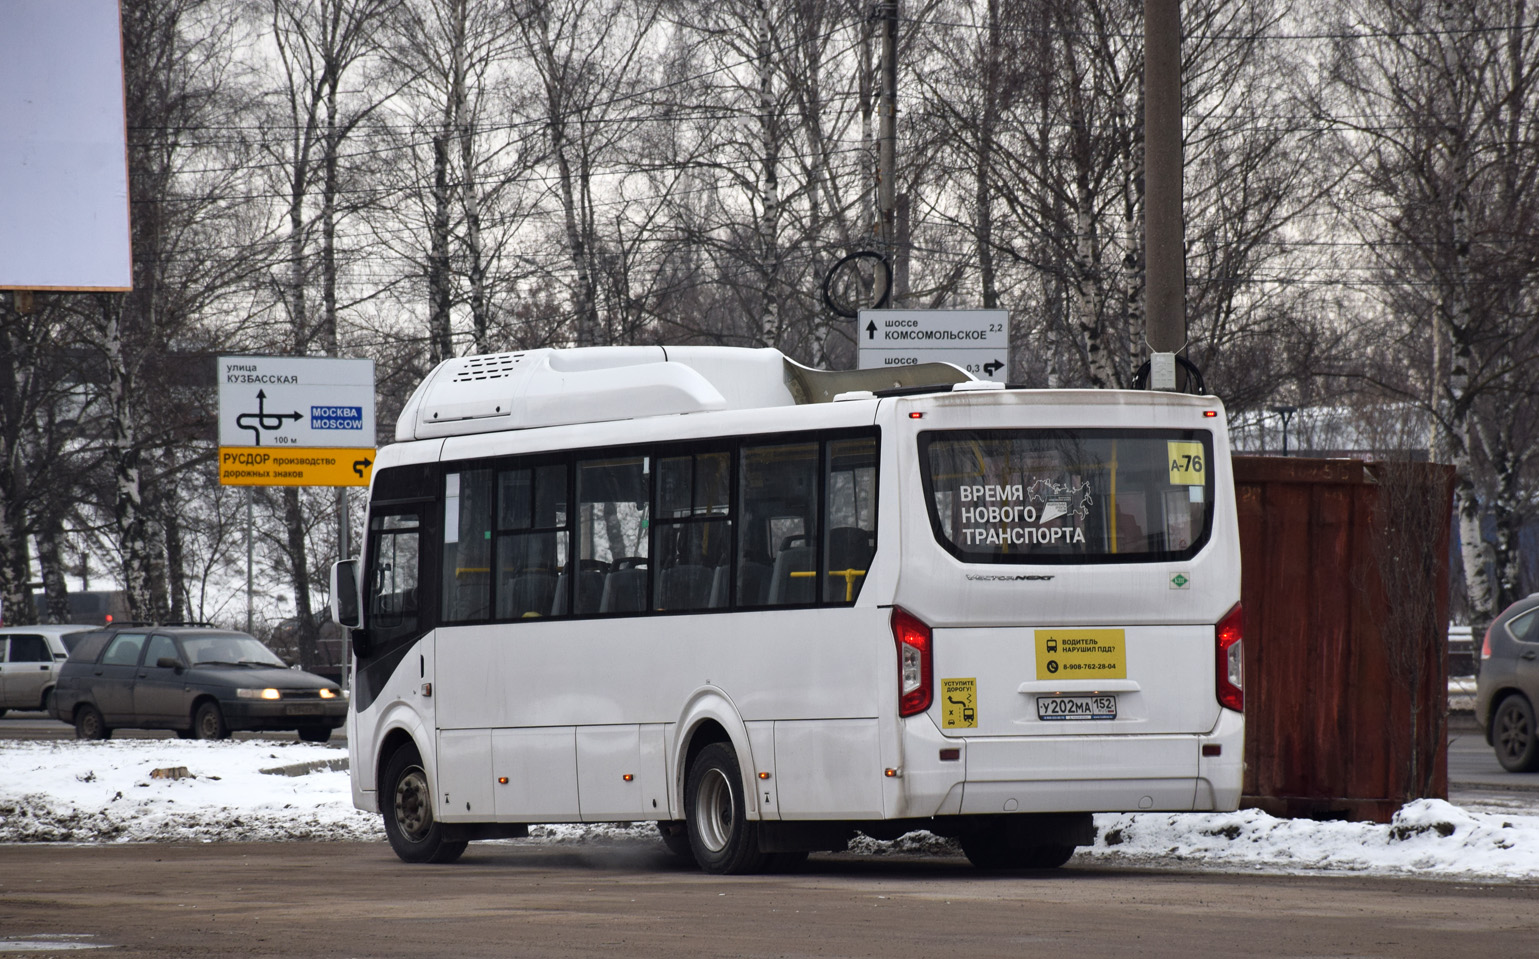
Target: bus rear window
{"points": [[1069, 496]]}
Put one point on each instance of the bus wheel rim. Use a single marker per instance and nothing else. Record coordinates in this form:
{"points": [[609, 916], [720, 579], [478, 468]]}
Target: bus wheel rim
{"points": [[715, 804], [413, 810]]}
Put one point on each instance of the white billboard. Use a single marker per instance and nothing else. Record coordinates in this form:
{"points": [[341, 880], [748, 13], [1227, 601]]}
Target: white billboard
{"points": [[976, 340], [296, 401], [63, 147]]}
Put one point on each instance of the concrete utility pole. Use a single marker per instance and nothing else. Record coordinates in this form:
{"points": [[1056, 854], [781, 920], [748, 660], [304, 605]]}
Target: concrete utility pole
{"points": [[1164, 227]]}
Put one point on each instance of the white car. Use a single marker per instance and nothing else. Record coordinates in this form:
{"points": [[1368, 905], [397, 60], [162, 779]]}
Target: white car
{"points": [[29, 664]]}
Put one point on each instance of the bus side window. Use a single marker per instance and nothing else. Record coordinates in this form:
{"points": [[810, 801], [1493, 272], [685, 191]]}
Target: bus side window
{"points": [[467, 560], [694, 533], [531, 542], [851, 540], [777, 556], [613, 510], [394, 546]]}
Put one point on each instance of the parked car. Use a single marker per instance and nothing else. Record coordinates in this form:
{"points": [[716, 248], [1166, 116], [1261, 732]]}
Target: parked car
{"points": [[29, 664], [200, 681], [1508, 685]]}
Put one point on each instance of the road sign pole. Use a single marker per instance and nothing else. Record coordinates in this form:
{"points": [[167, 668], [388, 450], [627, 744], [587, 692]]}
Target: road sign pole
{"points": [[250, 553], [344, 533]]}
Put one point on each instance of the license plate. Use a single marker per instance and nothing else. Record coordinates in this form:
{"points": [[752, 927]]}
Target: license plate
{"points": [[1056, 708], [306, 709]]}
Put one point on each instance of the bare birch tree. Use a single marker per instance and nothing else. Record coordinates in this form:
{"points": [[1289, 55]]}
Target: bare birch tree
{"points": [[1440, 129]]}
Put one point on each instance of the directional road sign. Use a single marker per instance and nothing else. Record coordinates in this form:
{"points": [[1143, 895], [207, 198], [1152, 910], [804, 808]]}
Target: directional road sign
{"points": [[294, 466], [976, 340], [295, 421]]}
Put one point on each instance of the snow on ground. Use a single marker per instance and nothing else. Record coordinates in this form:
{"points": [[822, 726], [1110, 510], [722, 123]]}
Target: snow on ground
{"points": [[88, 792]]}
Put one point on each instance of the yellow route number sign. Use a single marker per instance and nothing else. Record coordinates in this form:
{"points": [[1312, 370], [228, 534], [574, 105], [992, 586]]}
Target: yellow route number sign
{"points": [[294, 466], [1082, 654], [1186, 464], [959, 703]]}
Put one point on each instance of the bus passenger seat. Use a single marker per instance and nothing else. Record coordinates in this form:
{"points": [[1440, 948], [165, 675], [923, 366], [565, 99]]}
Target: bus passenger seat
{"points": [[787, 589], [685, 586], [525, 594], [753, 581], [850, 547], [625, 591]]}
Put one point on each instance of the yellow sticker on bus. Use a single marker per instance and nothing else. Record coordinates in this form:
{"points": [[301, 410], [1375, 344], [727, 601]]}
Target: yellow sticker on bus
{"points": [[959, 703], [1186, 465], [1070, 653]]}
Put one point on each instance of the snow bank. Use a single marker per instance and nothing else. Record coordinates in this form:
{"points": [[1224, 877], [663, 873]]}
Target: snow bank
{"points": [[88, 792], [104, 792], [1428, 837]]}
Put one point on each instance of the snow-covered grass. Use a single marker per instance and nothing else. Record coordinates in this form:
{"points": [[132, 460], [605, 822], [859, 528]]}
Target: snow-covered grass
{"points": [[81, 792]]}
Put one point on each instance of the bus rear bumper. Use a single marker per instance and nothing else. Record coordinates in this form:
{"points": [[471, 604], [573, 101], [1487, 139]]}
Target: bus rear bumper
{"points": [[1073, 773]]}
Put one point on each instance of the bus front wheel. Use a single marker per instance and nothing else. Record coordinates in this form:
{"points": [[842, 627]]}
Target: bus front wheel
{"points": [[406, 801], [724, 840]]}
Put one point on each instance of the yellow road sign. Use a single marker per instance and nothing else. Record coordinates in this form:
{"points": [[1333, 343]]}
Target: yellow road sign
{"points": [[294, 466]]}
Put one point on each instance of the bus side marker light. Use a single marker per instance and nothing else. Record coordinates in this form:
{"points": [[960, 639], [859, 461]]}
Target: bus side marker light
{"points": [[892, 773], [628, 777], [1209, 414], [502, 780], [950, 755], [916, 416], [764, 775], [1212, 749]]}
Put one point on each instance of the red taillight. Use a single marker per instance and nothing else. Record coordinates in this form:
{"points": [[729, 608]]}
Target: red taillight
{"points": [[1229, 635], [1485, 646], [915, 685]]}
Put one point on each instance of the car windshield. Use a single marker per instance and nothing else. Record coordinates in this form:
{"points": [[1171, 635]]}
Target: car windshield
{"points": [[229, 650]]}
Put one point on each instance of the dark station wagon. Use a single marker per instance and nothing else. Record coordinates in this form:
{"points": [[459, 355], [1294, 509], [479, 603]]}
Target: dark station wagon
{"points": [[201, 682]]}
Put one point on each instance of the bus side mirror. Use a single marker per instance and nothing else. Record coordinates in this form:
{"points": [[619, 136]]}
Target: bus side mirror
{"points": [[345, 607]]}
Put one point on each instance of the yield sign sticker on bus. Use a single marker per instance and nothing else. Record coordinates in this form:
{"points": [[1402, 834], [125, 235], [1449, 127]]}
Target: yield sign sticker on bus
{"points": [[1069, 653], [959, 703]]}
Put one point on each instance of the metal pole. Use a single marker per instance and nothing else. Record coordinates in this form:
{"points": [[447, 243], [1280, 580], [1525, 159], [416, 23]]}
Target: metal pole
{"points": [[250, 552], [1164, 232]]}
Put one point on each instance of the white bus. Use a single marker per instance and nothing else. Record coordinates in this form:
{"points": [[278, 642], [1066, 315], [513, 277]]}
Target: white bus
{"points": [[767, 607]]}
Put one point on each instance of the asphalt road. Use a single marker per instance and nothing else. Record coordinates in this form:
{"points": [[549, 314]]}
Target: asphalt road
{"points": [[295, 899], [342, 899]]}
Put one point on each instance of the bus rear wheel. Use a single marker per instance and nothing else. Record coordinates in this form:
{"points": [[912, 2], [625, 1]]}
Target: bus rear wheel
{"points": [[724, 840], [406, 801]]}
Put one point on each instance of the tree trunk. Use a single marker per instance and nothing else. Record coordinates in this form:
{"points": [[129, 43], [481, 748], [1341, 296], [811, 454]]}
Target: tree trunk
{"points": [[470, 195], [50, 557], [15, 605], [440, 332], [15, 599], [1134, 279], [983, 200], [769, 184], [128, 501]]}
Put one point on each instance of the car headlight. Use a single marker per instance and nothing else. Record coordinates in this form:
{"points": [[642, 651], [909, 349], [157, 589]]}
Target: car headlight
{"points": [[328, 694], [268, 693]]}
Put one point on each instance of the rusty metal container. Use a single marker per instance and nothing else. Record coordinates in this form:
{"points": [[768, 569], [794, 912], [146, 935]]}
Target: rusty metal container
{"points": [[1346, 607]]}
